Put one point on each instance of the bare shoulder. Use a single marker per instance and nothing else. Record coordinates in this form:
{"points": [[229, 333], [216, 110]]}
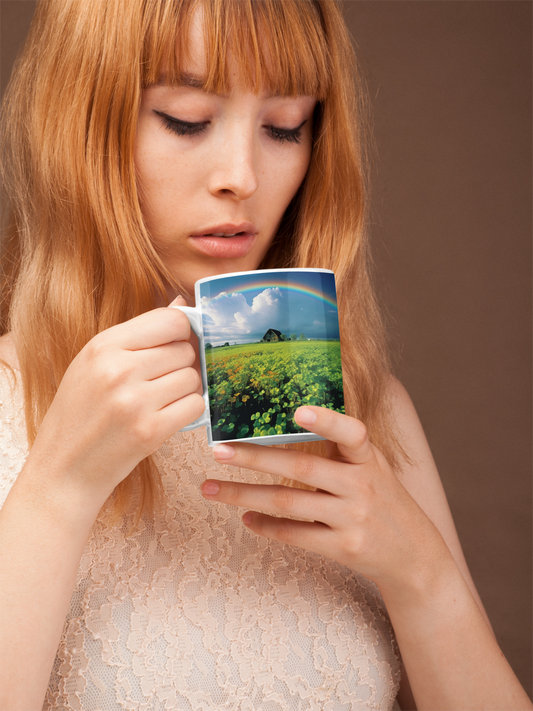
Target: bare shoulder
{"points": [[401, 405], [420, 475], [8, 353], [408, 427]]}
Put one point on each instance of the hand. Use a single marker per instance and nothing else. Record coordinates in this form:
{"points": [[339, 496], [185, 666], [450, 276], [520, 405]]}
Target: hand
{"points": [[124, 394], [360, 515]]}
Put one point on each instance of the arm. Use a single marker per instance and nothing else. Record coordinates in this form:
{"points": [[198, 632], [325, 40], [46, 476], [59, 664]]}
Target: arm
{"points": [[422, 481], [366, 517], [126, 392], [43, 530]]}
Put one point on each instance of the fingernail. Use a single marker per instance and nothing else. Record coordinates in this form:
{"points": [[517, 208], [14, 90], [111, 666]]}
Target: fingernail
{"points": [[305, 416], [210, 488], [247, 519], [178, 298], [223, 451]]}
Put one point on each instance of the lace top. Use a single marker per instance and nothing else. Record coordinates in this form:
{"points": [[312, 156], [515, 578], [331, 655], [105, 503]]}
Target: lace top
{"points": [[194, 611]]}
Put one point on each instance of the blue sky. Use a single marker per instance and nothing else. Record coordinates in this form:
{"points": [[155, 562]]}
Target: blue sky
{"points": [[240, 309]]}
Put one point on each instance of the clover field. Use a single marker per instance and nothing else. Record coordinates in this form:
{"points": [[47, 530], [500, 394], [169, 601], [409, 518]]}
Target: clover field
{"points": [[254, 389]]}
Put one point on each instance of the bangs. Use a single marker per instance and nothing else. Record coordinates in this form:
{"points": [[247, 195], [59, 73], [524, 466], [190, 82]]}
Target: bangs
{"points": [[277, 46]]}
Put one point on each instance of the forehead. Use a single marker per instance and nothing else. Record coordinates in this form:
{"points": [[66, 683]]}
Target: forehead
{"points": [[219, 46], [196, 43]]}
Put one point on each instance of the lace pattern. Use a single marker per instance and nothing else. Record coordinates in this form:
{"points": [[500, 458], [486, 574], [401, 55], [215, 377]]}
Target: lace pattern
{"points": [[13, 443], [193, 611]]}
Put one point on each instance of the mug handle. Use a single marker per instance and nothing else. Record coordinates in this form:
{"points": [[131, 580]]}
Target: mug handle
{"points": [[195, 319]]}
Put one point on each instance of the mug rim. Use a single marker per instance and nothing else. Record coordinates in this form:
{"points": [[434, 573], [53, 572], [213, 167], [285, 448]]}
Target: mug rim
{"points": [[262, 271]]}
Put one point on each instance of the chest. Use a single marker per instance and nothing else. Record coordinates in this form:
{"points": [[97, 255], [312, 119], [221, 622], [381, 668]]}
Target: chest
{"points": [[194, 608]]}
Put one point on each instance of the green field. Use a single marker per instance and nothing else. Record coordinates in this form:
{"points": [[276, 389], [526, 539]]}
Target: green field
{"points": [[255, 388]]}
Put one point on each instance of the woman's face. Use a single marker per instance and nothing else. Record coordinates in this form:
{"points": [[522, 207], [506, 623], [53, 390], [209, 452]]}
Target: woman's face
{"points": [[209, 165]]}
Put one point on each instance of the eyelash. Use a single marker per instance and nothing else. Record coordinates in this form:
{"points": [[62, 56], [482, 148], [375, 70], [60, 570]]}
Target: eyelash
{"points": [[184, 128], [290, 135]]}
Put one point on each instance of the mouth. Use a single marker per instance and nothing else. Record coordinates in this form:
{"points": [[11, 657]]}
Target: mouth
{"points": [[223, 234], [226, 241], [227, 230], [225, 245]]}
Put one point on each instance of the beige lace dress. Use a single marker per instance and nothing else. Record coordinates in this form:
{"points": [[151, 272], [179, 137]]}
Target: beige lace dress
{"points": [[193, 611]]}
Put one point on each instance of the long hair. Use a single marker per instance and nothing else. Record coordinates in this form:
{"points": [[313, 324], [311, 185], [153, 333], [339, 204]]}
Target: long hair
{"points": [[77, 255]]}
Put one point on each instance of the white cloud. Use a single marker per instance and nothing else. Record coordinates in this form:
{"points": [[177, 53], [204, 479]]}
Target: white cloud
{"points": [[230, 315]]}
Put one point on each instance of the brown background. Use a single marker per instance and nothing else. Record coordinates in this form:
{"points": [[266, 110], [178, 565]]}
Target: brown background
{"points": [[450, 83]]}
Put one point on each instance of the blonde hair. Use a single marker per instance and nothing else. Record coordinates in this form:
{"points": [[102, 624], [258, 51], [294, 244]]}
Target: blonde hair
{"points": [[77, 255]]}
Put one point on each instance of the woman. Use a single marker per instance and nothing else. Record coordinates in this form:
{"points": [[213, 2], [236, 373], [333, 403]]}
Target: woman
{"points": [[134, 135]]}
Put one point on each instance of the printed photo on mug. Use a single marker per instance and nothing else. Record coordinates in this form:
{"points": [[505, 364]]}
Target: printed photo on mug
{"points": [[269, 343]]}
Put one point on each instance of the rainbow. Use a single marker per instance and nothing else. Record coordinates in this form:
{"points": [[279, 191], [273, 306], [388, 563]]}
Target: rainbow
{"points": [[271, 284]]}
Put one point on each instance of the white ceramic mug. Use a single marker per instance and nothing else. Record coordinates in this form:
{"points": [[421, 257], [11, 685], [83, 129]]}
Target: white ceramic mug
{"points": [[269, 343]]}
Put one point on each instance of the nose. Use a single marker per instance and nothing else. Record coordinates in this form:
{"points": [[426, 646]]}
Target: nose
{"points": [[234, 172]]}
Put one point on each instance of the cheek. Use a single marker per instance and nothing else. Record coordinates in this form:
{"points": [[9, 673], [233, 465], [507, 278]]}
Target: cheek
{"points": [[146, 172], [163, 182], [153, 169], [288, 181], [152, 187]]}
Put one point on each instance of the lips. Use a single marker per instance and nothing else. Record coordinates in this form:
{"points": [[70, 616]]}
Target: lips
{"points": [[226, 241], [228, 229]]}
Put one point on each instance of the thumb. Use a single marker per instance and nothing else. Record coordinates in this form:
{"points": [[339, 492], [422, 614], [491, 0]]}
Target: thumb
{"points": [[178, 301]]}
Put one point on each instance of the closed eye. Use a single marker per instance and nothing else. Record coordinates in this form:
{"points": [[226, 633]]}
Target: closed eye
{"points": [[188, 128], [182, 128], [291, 135]]}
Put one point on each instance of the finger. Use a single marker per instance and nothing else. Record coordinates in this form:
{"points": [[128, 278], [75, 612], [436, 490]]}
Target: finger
{"points": [[312, 536], [179, 301], [153, 328], [151, 363], [299, 503], [349, 434], [179, 414], [307, 468], [148, 432], [173, 387]]}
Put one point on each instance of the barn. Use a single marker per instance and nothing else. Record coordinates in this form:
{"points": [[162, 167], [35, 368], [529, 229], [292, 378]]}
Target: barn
{"points": [[272, 336]]}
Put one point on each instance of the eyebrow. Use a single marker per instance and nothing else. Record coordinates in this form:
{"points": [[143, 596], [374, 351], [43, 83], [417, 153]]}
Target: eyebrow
{"points": [[196, 81], [185, 79]]}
